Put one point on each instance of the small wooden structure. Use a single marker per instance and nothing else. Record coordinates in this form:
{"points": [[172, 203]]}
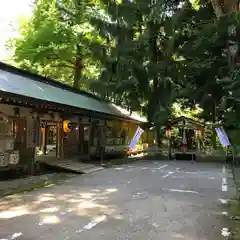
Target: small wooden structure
{"points": [[188, 129]]}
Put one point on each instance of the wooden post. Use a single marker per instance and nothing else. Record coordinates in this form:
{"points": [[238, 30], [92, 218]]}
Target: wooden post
{"points": [[32, 164], [45, 139], [59, 128], [198, 144], [62, 140], [90, 135], [102, 143], [226, 152], [169, 149]]}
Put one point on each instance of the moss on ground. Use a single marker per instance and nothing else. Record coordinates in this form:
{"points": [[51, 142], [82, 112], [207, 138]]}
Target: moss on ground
{"points": [[234, 207], [118, 162], [234, 217], [33, 186]]}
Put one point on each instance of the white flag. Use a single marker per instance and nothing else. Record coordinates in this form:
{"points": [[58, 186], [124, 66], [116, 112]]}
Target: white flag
{"points": [[135, 138]]}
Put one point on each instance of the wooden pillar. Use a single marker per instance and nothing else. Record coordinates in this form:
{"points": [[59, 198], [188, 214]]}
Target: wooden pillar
{"points": [[198, 134], [42, 139], [59, 140], [102, 142], [45, 139], [62, 144], [198, 147], [169, 149], [90, 136]]}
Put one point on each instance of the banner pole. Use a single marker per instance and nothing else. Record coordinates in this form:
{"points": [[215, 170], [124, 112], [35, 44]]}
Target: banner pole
{"points": [[226, 154], [135, 138]]}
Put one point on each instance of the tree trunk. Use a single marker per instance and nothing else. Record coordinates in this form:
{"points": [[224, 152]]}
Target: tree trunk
{"points": [[223, 8], [78, 68], [233, 47], [158, 137], [154, 100]]}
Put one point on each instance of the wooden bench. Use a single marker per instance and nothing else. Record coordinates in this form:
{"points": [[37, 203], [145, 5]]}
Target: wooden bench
{"points": [[191, 156]]}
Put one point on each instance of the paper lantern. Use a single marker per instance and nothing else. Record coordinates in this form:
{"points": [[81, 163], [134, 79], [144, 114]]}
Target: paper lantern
{"points": [[67, 126], [168, 133], [198, 133]]}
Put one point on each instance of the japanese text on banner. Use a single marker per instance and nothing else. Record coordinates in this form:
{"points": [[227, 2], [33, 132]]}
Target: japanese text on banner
{"points": [[223, 137], [135, 138]]}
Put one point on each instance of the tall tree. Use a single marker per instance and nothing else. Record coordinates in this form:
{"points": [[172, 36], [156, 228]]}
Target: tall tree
{"points": [[227, 24], [229, 10], [53, 42], [141, 39]]}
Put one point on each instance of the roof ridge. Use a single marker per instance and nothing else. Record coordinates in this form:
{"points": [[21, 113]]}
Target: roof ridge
{"points": [[49, 81], [38, 78]]}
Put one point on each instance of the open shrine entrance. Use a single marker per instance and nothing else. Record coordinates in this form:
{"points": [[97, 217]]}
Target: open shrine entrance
{"points": [[184, 138]]}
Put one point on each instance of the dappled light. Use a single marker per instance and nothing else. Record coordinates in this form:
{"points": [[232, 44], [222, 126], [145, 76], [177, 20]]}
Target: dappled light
{"points": [[16, 235], [14, 212], [96, 190], [50, 185], [45, 199], [87, 195], [178, 236], [50, 209], [225, 232], [49, 220], [93, 223], [175, 63], [139, 155], [108, 205], [118, 217], [74, 200], [90, 209], [111, 190], [90, 205], [118, 168]]}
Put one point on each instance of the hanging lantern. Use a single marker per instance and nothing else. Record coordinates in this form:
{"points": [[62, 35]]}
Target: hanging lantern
{"points": [[198, 133], [67, 126], [168, 131]]}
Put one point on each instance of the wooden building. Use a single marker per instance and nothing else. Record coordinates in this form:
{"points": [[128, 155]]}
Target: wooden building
{"points": [[187, 144], [41, 118]]}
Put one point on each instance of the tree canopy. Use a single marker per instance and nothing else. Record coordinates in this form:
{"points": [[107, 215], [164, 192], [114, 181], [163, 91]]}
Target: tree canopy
{"points": [[142, 55]]}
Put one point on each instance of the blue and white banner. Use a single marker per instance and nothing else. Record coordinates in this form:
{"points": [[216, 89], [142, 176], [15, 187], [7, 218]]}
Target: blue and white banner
{"points": [[135, 138], [223, 137]]}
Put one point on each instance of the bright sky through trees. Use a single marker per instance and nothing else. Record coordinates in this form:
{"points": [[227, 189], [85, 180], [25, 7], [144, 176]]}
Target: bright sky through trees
{"points": [[10, 11]]}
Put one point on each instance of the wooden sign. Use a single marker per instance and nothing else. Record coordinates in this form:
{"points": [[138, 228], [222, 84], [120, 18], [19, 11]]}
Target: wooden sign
{"points": [[33, 132]]}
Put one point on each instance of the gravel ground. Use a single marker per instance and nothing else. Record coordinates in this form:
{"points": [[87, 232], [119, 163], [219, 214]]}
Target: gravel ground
{"points": [[144, 200], [30, 182]]}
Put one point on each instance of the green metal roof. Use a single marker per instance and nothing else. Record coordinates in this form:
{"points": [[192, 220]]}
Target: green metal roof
{"points": [[19, 83]]}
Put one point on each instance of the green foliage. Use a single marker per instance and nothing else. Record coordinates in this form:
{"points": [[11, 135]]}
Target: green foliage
{"points": [[48, 41], [139, 62], [142, 55], [190, 112]]}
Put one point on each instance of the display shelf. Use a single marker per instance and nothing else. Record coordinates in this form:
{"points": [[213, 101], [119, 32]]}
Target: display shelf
{"points": [[112, 141], [8, 156]]}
